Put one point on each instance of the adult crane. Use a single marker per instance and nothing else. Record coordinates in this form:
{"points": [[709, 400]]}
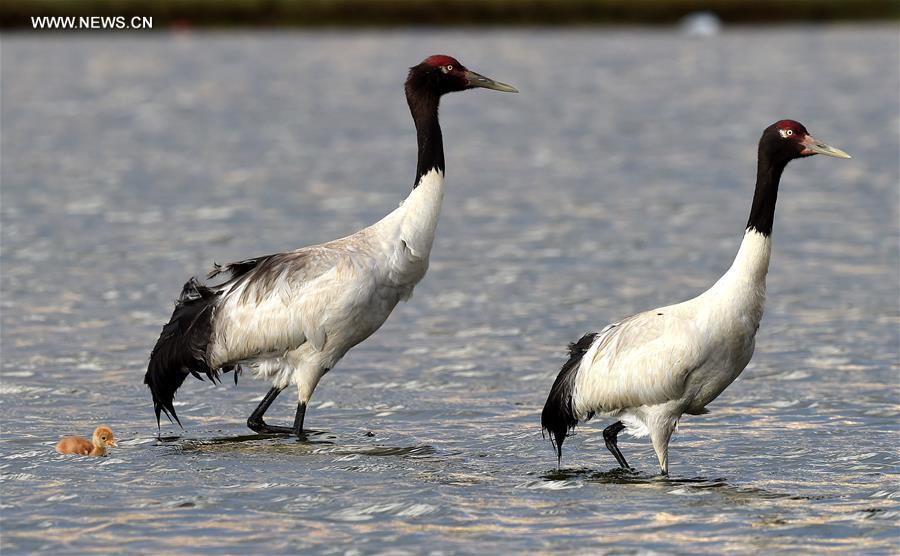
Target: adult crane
{"points": [[290, 317], [649, 369]]}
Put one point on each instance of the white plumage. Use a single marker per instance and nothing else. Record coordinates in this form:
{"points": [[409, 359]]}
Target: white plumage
{"points": [[649, 369], [290, 317], [294, 325]]}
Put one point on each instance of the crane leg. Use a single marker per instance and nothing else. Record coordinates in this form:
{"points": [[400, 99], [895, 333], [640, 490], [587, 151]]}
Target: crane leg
{"points": [[298, 419], [255, 421], [610, 435]]}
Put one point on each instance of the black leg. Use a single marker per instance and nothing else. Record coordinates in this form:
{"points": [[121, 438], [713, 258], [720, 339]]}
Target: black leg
{"points": [[255, 421], [610, 435], [298, 419]]}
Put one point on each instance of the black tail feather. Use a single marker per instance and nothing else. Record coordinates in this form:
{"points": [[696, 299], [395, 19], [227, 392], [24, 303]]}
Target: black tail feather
{"points": [[558, 417], [181, 348], [238, 269]]}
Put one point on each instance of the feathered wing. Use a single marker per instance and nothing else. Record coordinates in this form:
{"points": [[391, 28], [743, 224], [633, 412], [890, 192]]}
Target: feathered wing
{"points": [[641, 360], [279, 304], [259, 308]]}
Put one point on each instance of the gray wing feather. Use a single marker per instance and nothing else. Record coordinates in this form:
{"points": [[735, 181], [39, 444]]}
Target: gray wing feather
{"points": [[641, 360], [266, 305]]}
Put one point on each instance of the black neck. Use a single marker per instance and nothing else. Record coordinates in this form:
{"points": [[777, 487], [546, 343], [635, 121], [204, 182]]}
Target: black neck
{"points": [[768, 175], [423, 105]]}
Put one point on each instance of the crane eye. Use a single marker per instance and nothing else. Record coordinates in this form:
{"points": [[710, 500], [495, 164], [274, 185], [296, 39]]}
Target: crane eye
{"points": [[785, 133], [447, 68]]}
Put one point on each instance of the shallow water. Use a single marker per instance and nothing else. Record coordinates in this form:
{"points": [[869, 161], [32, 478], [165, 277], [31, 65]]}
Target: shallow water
{"points": [[617, 181]]}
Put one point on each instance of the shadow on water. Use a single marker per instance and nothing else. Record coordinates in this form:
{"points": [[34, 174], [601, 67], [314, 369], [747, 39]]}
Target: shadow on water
{"points": [[613, 476], [310, 441], [619, 476], [167, 439], [249, 442], [391, 451], [307, 437], [161, 440]]}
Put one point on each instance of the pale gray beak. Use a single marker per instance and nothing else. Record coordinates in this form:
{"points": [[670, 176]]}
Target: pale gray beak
{"points": [[814, 146], [478, 80]]}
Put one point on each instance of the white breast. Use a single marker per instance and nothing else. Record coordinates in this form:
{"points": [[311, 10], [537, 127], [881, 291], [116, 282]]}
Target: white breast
{"points": [[407, 234], [729, 314]]}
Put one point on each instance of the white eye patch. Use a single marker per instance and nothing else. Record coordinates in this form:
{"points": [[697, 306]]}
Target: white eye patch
{"points": [[786, 132]]}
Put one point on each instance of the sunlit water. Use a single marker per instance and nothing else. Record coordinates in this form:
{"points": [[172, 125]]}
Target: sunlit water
{"points": [[618, 180]]}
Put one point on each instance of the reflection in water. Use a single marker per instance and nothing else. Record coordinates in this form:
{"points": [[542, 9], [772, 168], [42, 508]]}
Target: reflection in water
{"points": [[131, 163]]}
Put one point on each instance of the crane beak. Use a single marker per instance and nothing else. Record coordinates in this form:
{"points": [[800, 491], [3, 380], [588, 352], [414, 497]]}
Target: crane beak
{"points": [[478, 80], [814, 146]]}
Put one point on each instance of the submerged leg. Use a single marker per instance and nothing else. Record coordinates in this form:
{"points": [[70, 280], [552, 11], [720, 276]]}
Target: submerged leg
{"points": [[610, 435], [255, 421], [660, 437], [306, 379], [298, 419]]}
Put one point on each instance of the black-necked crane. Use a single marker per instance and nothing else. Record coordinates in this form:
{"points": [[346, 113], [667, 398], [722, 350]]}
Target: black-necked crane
{"points": [[290, 317], [648, 370]]}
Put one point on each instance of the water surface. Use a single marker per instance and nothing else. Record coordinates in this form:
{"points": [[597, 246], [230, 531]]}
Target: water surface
{"points": [[618, 180]]}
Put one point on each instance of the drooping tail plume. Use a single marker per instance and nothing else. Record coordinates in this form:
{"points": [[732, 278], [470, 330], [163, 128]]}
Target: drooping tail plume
{"points": [[181, 348], [558, 417]]}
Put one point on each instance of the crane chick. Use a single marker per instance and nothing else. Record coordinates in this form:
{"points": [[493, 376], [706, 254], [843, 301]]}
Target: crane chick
{"points": [[102, 438]]}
